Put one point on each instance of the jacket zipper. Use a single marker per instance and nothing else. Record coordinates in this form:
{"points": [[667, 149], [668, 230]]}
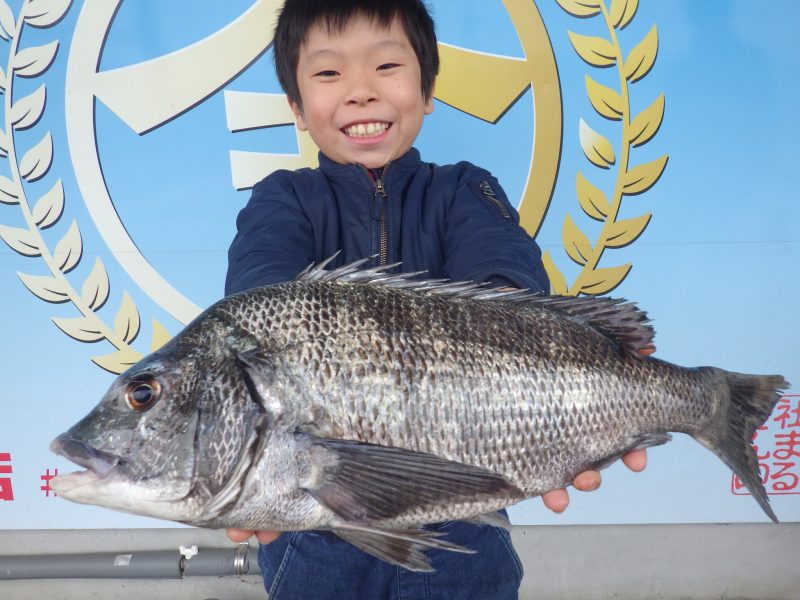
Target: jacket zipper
{"points": [[489, 193], [380, 190]]}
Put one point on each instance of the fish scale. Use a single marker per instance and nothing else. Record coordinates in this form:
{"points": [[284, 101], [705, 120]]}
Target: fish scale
{"points": [[371, 404]]}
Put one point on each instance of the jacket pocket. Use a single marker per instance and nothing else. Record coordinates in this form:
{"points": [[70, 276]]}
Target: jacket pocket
{"points": [[496, 204]]}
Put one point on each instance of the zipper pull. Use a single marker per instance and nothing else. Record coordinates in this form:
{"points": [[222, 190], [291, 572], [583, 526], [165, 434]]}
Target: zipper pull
{"points": [[379, 189]]}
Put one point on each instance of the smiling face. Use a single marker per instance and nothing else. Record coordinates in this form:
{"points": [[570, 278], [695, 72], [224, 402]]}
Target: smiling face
{"points": [[361, 92]]}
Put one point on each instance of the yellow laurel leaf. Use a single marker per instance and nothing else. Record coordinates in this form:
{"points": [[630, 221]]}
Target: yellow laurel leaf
{"points": [[596, 51], [46, 287], [592, 199], [33, 61], [622, 233], [96, 287], [45, 13], [642, 178], [576, 243], [605, 101], [622, 11], [647, 123], [558, 284], [9, 191], [160, 336], [80, 328], [127, 322], [48, 209], [596, 148], [37, 160], [27, 111], [69, 249], [580, 8], [642, 57], [118, 362], [24, 241], [602, 281]]}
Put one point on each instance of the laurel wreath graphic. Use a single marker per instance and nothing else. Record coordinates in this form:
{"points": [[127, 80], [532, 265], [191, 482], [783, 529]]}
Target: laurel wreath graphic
{"points": [[29, 240], [614, 105]]}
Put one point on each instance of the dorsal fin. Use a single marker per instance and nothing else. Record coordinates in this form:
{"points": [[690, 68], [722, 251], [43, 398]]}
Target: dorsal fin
{"points": [[615, 318]]}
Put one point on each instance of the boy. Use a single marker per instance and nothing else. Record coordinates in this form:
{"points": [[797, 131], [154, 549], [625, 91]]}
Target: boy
{"points": [[359, 77]]}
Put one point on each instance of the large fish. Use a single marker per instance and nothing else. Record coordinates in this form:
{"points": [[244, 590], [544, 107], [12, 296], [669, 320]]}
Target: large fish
{"points": [[371, 404]]}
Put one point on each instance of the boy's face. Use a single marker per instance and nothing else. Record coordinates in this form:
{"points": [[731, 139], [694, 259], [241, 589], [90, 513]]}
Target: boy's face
{"points": [[361, 92]]}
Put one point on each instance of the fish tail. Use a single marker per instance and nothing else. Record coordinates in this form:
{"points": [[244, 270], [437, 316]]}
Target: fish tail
{"points": [[747, 401]]}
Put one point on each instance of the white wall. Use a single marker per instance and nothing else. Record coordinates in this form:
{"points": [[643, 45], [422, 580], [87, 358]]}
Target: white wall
{"points": [[591, 562]]}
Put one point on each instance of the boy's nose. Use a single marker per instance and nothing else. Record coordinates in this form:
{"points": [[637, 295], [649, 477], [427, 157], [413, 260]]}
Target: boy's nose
{"points": [[361, 93]]}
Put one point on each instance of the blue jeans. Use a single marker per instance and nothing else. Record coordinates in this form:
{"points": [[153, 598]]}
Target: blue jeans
{"points": [[320, 566]]}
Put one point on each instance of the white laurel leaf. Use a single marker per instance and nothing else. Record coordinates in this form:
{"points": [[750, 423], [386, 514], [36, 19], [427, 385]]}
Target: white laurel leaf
{"points": [[69, 249], [3, 80], [7, 22], [127, 323], [3, 141], [96, 287], [37, 160], [47, 210], [9, 191], [24, 241], [82, 329], [27, 111], [46, 13], [35, 60], [46, 287]]}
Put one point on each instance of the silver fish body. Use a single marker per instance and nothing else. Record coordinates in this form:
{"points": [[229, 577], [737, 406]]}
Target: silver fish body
{"points": [[371, 404]]}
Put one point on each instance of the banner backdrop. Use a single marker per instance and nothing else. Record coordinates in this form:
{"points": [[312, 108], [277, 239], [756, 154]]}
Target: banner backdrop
{"points": [[649, 145]]}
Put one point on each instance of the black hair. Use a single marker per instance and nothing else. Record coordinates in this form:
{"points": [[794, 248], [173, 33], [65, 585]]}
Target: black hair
{"points": [[298, 16]]}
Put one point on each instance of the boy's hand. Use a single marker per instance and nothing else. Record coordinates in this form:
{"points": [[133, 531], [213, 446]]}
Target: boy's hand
{"points": [[557, 500], [242, 535]]}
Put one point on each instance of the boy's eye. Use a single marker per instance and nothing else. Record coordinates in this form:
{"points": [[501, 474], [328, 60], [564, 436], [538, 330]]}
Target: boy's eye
{"points": [[326, 73], [387, 66]]}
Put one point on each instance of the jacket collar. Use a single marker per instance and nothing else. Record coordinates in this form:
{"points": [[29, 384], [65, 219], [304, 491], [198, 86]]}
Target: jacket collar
{"points": [[399, 169]]}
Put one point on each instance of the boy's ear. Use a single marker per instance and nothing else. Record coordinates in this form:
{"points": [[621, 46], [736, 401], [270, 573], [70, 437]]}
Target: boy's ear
{"points": [[429, 101], [298, 115]]}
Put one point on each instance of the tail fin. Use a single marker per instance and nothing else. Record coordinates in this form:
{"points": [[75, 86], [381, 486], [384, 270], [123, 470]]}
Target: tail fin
{"points": [[750, 400]]}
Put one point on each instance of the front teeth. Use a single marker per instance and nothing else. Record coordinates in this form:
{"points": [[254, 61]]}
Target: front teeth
{"points": [[366, 129]]}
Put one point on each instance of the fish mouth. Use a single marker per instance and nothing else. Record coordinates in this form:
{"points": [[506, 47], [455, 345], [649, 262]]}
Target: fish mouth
{"points": [[98, 464]]}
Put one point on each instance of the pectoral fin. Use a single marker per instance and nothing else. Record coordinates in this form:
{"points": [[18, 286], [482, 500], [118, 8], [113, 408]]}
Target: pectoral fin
{"points": [[367, 483]]}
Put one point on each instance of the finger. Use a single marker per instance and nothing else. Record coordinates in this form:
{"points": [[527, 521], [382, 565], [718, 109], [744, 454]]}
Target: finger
{"points": [[635, 460], [556, 500], [647, 350], [239, 535], [587, 481], [267, 537]]}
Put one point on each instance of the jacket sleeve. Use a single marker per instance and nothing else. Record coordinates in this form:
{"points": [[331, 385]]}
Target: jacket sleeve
{"points": [[274, 239], [483, 240]]}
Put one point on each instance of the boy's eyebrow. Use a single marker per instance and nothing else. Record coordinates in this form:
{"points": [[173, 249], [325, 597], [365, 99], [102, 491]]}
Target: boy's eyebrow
{"points": [[377, 46]]}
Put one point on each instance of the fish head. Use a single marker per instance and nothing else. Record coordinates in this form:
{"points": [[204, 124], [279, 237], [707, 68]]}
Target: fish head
{"points": [[137, 445], [168, 436]]}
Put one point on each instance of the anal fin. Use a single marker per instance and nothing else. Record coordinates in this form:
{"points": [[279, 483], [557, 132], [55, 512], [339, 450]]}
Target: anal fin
{"points": [[404, 547]]}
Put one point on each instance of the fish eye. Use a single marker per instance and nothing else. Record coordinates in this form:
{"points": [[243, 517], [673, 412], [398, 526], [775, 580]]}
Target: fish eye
{"points": [[142, 393]]}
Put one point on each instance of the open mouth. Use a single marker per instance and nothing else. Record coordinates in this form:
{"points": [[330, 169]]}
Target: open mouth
{"points": [[95, 461], [366, 130]]}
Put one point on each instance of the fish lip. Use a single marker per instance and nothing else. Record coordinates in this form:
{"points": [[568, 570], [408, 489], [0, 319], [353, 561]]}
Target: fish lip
{"points": [[97, 461]]}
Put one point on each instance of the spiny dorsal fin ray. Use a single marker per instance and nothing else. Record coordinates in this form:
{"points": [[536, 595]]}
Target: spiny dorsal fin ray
{"points": [[616, 318]]}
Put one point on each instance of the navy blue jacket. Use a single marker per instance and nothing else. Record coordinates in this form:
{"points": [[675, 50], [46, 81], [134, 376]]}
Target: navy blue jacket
{"points": [[453, 221]]}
